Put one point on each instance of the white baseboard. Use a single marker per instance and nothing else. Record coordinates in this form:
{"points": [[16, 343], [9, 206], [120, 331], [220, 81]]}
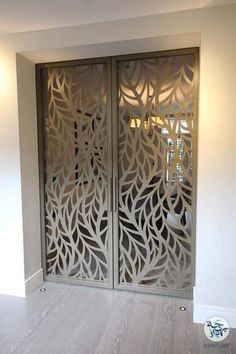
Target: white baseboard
{"points": [[33, 281], [202, 312]]}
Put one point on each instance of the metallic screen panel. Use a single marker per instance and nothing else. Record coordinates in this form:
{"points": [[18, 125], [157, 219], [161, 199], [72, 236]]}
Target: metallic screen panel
{"points": [[155, 123], [75, 134]]}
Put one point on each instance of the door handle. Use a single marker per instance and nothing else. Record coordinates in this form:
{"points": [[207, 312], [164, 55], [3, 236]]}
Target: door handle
{"points": [[115, 194], [110, 193]]}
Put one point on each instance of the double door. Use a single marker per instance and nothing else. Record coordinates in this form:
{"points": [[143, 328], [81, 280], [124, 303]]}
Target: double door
{"points": [[117, 150]]}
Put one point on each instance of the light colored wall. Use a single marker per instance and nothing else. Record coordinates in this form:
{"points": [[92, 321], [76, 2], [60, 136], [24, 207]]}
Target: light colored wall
{"points": [[216, 207], [29, 164], [11, 233], [216, 223]]}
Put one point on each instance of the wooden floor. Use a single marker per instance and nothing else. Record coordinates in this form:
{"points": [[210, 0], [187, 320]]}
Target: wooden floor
{"points": [[68, 319]]}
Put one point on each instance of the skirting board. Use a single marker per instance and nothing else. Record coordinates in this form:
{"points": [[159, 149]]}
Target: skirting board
{"points": [[202, 312], [34, 281]]}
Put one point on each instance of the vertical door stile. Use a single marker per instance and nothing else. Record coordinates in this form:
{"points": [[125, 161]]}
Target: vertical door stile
{"points": [[115, 172], [109, 170]]}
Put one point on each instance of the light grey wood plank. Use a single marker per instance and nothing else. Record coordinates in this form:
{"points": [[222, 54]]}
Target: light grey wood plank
{"points": [[186, 336], [80, 315], [24, 316], [115, 331], [163, 326], [45, 346], [139, 326]]}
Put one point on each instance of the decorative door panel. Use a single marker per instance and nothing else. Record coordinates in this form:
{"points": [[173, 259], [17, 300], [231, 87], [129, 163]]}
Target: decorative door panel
{"points": [[76, 121], [156, 107]]}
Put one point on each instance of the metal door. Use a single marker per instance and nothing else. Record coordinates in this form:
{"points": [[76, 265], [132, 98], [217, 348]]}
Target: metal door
{"points": [[155, 152], [76, 125]]}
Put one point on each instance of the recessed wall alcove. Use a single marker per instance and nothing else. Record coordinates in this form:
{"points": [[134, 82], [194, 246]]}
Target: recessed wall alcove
{"points": [[211, 28]]}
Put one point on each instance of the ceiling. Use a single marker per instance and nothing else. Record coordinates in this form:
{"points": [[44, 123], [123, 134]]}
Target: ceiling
{"points": [[28, 15]]}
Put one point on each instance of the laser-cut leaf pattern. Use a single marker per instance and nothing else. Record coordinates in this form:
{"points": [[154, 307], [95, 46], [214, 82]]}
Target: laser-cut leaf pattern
{"points": [[155, 171], [75, 113]]}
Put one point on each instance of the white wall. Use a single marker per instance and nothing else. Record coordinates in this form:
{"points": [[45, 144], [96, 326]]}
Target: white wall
{"points": [[29, 165], [11, 233], [216, 223], [216, 207]]}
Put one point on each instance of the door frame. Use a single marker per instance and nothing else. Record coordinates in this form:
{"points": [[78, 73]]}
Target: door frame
{"points": [[112, 177]]}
